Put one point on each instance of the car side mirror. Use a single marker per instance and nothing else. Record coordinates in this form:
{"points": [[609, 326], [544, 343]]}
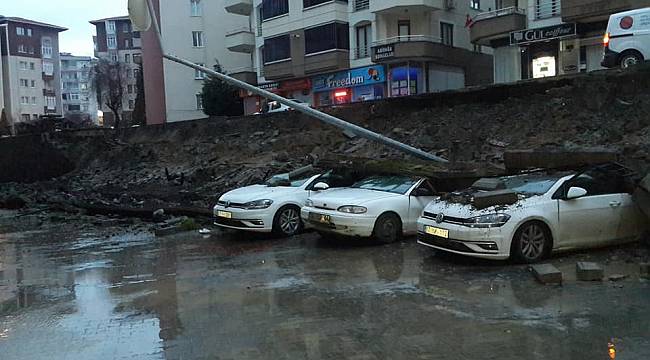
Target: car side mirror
{"points": [[320, 186], [421, 192], [575, 192]]}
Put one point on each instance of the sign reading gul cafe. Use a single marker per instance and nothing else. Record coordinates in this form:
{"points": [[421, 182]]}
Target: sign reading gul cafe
{"points": [[542, 34]]}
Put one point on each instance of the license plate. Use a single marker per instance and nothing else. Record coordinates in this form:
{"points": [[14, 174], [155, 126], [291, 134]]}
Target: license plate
{"points": [[322, 218], [431, 230], [224, 214]]}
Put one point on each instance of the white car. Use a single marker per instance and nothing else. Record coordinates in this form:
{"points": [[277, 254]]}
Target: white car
{"points": [[274, 107], [627, 40], [554, 212], [270, 207], [385, 207]]}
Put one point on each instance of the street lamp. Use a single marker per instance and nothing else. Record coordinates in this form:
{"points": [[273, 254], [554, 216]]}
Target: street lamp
{"points": [[143, 16]]}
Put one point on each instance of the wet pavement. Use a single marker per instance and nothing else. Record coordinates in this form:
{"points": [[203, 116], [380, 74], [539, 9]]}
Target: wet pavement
{"points": [[70, 289]]}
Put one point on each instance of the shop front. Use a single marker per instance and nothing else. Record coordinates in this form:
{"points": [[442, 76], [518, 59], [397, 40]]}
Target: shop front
{"points": [[353, 85], [299, 89]]}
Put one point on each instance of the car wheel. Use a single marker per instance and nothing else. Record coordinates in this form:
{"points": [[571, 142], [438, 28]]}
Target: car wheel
{"points": [[630, 59], [388, 228], [531, 243], [287, 221]]}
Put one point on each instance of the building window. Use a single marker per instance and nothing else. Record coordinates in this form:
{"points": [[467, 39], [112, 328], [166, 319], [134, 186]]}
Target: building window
{"points": [[33, 100], [277, 48], [403, 30], [50, 102], [199, 101], [114, 57], [195, 7], [33, 83], [327, 37], [259, 20], [137, 58], [31, 66], [126, 27], [24, 100], [21, 48], [74, 107], [29, 32], [24, 82], [129, 89], [84, 108], [20, 31], [110, 27], [309, 3], [129, 73], [74, 96], [24, 117], [111, 42], [361, 5], [46, 48], [23, 65], [364, 36], [127, 58], [197, 38], [83, 86], [547, 8], [475, 4], [126, 44], [131, 104], [34, 116], [198, 74], [136, 73], [273, 8], [447, 34], [478, 48]]}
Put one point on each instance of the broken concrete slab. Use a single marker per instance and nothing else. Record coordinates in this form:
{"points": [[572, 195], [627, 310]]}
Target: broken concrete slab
{"points": [[617, 277], [489, 184], [589, 271], [486, 199], [547, 273], [556, 158]]}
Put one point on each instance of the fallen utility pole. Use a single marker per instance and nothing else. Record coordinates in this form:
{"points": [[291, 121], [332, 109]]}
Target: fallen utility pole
{"points": [[137, 18]]}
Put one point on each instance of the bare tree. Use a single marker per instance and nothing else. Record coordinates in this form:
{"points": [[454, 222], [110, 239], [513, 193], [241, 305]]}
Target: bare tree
{"points": [[108, 79]]}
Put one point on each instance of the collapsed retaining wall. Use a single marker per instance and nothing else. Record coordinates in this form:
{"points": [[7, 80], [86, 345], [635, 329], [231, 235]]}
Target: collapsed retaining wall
{"points": [[31, 158]]}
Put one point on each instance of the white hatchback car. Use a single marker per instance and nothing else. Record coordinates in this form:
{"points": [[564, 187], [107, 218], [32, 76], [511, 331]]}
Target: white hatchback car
{"points": [[270, 207], [385, 207], [554, 212]]}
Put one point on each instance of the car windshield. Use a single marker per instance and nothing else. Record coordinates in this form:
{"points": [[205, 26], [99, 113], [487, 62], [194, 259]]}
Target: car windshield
{"points": [[531, 184], [392, 184], [283, 180]]}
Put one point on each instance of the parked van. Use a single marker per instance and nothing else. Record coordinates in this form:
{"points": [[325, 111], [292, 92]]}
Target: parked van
{"points": [[627, 41]]}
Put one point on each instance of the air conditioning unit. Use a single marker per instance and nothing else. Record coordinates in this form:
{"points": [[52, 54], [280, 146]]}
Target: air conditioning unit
{"points": [[450, 4]]}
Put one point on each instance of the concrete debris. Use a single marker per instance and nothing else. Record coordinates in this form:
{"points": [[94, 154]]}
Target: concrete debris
{"points": [[167, 230], [644, 270], [547, 273], [618, 277], [489, 184], [556, 158], [486, 199], [589, 271], [159, 215]]}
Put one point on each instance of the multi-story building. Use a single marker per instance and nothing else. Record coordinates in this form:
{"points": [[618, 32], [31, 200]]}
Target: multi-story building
{"points": [[539, 38], [198, 30], [31, 84], [330, 52], [78, 97], [117, 41]]}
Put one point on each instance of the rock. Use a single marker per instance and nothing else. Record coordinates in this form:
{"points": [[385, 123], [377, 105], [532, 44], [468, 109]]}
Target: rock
{"points": [[349, 134], [159, 215], [617, 277], [589, 271], [547, 273]]}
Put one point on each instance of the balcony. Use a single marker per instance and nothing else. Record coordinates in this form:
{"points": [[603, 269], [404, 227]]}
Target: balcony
{"points": [[245, 73], [240, 7], [391, 6], [596, 10], [496, 24], [328, 61], [241, 40]]}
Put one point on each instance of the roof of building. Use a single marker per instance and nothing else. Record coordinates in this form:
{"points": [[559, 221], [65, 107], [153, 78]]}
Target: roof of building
{"points": [[31, 22], [110, 18]]}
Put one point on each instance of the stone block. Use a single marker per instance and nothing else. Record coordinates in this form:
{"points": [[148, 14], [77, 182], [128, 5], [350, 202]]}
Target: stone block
{"points": [[489, 184], [547, 273], [589, 271], [486, 199]]}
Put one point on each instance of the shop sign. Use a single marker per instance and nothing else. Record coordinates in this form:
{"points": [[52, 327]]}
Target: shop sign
{"points": [[299, 84], [354, 77], [384, 52], [542, 34], [271, 86]]}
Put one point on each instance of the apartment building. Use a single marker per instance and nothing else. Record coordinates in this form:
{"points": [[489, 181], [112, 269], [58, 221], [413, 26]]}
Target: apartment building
{"points": [[539, 38], [117, 41], [327, 52], [198, 30], [31, 83], [77, 95]]}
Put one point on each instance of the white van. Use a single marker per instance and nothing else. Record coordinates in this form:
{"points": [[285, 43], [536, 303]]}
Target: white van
{"points": [[627, 41]]}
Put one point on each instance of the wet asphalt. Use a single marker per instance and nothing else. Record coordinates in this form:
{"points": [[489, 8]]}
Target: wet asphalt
{"points": [[83, 289]]}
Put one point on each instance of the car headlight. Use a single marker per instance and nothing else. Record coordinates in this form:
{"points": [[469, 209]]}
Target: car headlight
{"points": [[488, 221], [309, 203], [258, 204], [352, 209]]}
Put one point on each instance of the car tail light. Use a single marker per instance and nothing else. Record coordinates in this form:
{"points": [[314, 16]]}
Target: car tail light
{"points": [[606, 40]]}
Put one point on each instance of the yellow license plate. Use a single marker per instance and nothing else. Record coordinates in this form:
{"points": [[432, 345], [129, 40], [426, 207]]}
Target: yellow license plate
{"points": [[224, 214], [431, 230]]}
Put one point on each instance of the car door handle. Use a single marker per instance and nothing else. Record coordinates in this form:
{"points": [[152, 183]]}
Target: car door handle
{"points": [[615, 204]]}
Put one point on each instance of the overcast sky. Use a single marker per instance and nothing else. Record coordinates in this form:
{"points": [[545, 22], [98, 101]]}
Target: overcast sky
{"points": [[71, 14]]}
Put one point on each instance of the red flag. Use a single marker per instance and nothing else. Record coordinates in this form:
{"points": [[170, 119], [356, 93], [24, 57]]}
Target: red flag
{"points": [[469, 21]]}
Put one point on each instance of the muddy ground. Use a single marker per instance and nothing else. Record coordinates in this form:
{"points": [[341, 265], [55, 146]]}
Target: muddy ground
{"points": [[92, 288], [190, 164]]}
